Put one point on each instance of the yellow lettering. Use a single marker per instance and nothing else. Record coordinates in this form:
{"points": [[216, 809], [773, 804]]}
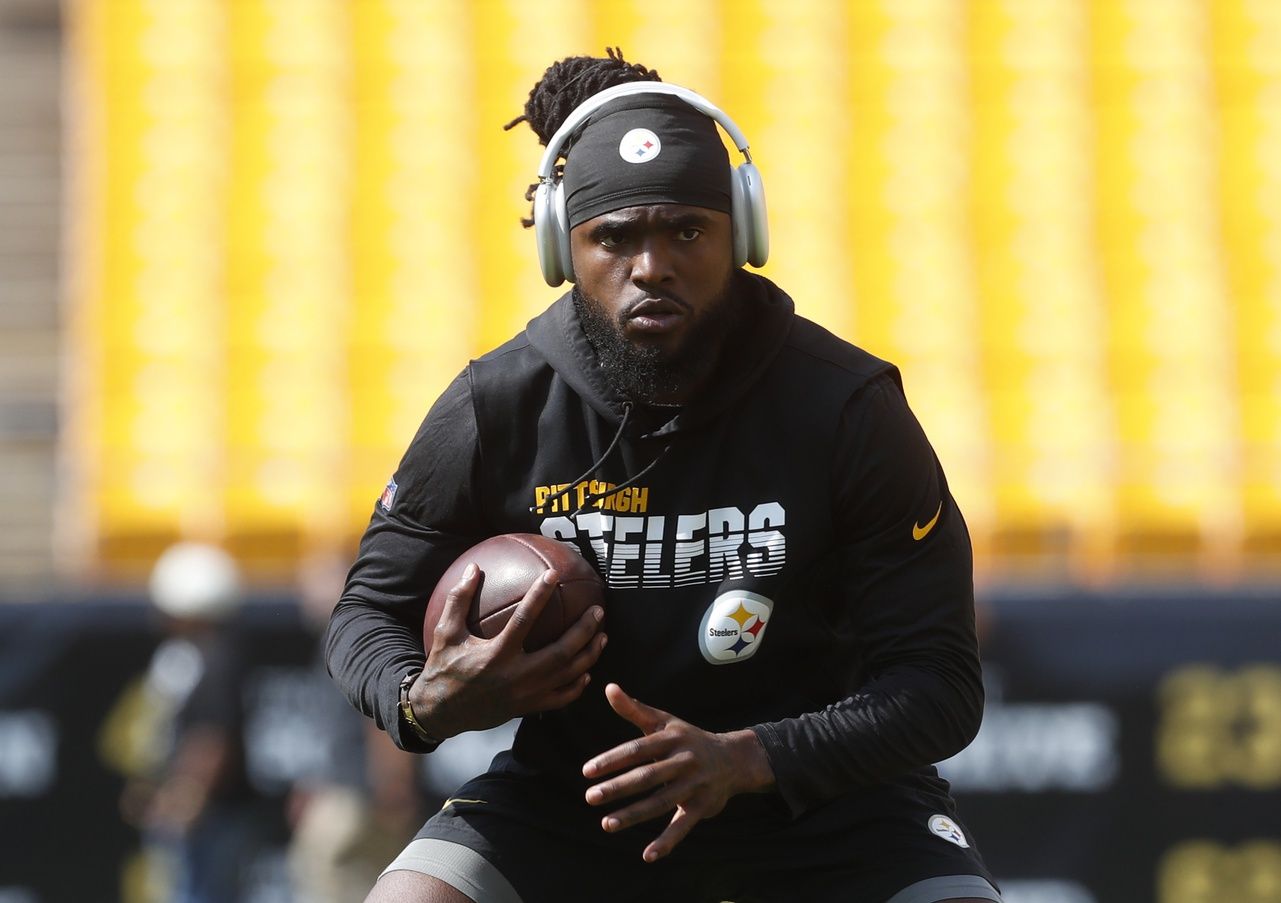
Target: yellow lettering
{"points": [[632, 500]]}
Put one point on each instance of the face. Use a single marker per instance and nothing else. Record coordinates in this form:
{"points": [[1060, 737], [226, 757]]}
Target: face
{"points": [[652, 291]]}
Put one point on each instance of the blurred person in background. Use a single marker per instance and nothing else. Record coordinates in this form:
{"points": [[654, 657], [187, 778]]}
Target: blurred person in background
{"points": [[360, 802], [195, 807]]}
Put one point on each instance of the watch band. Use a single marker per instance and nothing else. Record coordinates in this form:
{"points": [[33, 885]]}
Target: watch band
{"points": [[407, 710]]}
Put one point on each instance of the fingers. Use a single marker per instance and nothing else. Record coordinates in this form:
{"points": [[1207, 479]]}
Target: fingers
{"points": [[639, 779], [580, 632], [453, 619], [528, 610], [647, 718], [591, 652], [640, 751], [673, 767], [658, 803], [561, 696], [576, 650], [568, 680], [676, 831], [635, 752], [689, 812]]}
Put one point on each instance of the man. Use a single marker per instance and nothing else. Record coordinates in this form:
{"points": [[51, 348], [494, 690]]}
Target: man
{"points": [[788, 641], [195, 806]]}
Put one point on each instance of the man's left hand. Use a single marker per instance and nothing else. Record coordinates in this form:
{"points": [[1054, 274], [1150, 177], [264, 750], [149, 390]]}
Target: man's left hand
{"points": [[677, 766]]}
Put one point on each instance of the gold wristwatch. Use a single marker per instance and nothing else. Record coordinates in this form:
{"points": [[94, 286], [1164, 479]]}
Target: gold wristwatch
{"points": [[407, 710]]}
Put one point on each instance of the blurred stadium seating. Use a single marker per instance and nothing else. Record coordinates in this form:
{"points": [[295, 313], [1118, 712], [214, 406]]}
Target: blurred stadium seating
{"points": [[292, 222]]}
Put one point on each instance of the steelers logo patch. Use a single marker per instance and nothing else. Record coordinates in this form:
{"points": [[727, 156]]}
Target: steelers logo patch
{"points": [[639, 146], [942, 826], [733, 627]]}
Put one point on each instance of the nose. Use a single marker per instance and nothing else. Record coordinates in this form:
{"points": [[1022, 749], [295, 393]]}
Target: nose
{"points": [[652, 264]]}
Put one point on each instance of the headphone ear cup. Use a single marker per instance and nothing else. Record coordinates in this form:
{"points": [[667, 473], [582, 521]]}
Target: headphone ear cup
{"points": [[739, 220], [562, 232], [545, 225], [756, 225]]}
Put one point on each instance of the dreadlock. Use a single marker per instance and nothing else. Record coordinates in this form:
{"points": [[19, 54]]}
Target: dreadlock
{"points": [[564, 86]]}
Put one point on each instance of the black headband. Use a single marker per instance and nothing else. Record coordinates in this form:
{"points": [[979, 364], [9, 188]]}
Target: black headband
{"points": [[646, 149]]}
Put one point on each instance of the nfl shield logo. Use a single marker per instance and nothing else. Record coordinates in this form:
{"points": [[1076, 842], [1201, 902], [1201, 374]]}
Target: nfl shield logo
{"points": [[388, 496]]}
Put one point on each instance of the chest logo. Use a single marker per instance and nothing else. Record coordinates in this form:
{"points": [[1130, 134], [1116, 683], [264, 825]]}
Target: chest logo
{"points": [[733, 627]]}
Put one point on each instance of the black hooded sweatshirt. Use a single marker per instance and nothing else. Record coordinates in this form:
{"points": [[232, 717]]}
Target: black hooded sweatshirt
{"points": [[791, 561]]}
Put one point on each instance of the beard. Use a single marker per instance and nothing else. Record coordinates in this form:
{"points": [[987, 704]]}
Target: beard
{"points": [[646, 373]]}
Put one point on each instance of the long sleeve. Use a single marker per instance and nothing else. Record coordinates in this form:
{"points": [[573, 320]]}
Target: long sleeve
{"points": [[420, 525], [907, 581]]}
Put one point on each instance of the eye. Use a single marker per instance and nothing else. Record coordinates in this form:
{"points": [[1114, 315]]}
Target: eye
{"points": [[689, 233], [611, 240]]}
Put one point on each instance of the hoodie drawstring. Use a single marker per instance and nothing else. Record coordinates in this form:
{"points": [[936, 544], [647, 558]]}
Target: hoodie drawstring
{"points": [[592, 498], [596, 465]]}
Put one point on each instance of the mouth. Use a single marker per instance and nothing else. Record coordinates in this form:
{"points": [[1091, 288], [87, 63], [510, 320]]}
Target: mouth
{"points": [[655, 315]]}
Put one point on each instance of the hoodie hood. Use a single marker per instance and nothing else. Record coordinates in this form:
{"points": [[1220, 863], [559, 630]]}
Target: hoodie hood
{"points": [[767, 311]]}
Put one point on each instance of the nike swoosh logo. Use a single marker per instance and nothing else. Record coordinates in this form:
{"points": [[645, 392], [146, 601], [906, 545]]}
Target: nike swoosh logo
{"points": [[453, 799], [919, 532]]}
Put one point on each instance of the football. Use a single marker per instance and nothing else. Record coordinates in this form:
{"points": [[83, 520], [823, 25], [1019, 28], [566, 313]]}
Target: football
{"points": [[509, 564]]}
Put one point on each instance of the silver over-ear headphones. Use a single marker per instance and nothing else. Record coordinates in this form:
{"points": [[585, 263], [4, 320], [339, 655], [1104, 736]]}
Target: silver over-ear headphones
{"points": [[551, 221]]}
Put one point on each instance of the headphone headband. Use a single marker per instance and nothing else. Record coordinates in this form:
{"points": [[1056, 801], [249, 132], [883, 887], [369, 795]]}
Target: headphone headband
{"points": [[551, 221], [580, 114]]}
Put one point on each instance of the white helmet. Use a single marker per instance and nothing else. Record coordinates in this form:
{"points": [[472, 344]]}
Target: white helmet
{"points": [[194, 580]]}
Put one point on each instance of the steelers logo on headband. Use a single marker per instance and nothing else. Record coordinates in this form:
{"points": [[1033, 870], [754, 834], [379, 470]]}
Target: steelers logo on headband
{"points": [[645, 149], [639, 146]]}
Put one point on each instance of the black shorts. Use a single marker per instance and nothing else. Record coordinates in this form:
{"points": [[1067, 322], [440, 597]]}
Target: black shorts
{"points": [[863, 848]]}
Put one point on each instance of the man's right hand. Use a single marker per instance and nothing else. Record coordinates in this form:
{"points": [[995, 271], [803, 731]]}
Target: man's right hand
{"points": [[472, 684]]}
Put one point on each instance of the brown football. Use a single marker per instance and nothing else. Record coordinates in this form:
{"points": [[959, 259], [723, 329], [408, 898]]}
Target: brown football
{"points": [[509, 564]]}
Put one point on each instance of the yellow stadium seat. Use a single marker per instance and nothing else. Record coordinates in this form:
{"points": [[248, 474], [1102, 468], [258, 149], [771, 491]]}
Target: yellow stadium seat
{"points": [[293, 222]]}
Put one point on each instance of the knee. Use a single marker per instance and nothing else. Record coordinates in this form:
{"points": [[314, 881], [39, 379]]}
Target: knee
{"points": [[404, 886]]}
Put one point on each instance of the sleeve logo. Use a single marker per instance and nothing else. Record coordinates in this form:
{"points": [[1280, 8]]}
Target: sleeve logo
{"points": [[389, 495]]}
